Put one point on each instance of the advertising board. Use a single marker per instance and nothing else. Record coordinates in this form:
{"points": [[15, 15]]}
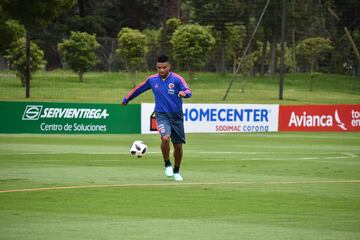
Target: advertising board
{"points": [[332, 118], [46, 117], [219, 118]]}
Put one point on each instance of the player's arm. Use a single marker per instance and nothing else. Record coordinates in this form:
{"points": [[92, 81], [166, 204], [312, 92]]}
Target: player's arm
{"points": [[185, 91], [142, 87]]}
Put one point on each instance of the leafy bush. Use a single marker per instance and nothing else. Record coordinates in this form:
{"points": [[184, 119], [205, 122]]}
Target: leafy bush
{"points": [[132, 48], [191, 45], [16, 56], [79, 52]]}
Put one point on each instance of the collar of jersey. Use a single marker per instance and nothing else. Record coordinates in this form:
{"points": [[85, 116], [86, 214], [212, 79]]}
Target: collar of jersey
{"points": [[164, 79]]}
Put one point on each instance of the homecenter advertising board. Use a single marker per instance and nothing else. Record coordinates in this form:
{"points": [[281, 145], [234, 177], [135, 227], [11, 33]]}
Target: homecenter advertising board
{"points": [[46, 117], [320, 118], [219, 118]]}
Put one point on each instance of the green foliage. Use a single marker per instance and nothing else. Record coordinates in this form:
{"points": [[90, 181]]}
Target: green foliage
{"points": [[17, 58], [79, 52], [313, 48], [217, 12], [191, 45], [315, 75], [153, 45], [171, 25], [11, 31], [235, 35], [35, 13], [89, 24], [249, 63], [132, 47]]}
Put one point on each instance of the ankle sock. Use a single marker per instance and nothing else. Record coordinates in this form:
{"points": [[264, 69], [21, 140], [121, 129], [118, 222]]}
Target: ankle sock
{"points": [[176, 169], [167, 163]]}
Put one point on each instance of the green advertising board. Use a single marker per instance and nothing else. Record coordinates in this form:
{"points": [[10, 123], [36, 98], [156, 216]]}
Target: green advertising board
{"points": [[72, 118]]}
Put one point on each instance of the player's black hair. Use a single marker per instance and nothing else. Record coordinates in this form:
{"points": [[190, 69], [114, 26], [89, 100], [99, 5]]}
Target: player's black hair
{"points": [[163, 58]]}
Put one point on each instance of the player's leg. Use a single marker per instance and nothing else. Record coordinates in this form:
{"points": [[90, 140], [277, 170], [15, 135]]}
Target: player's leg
{"points": [[164, 129], [178, 153], [178, 139], [165, 147]]}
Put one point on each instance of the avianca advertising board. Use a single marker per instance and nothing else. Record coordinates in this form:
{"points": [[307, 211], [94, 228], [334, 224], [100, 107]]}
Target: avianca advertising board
{"points": [[334, 118], [219, 118]]}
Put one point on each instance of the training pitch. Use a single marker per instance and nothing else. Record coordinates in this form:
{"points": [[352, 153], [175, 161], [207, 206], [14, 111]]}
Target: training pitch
{"points": [[236, 186]]}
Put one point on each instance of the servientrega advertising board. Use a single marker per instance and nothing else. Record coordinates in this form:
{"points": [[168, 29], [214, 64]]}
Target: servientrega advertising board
{"points": [[44, 117]]}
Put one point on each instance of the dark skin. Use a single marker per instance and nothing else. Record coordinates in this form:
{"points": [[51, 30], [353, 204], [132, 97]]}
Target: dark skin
{"points": [[164, 70]]}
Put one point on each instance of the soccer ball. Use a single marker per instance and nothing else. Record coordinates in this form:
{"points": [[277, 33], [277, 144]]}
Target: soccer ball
{"points": [[138, 149]]}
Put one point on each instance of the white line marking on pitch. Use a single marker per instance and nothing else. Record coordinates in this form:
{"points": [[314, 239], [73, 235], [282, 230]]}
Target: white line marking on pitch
{"points": [[175, 184], [347, 155]]}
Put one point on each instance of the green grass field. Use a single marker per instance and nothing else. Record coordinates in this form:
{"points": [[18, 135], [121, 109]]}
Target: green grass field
{"points": [[237, 186], [298, 186], [207, 87]]}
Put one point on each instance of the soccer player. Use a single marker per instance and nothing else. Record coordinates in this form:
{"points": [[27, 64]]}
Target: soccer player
{"points": [[168, 88]]}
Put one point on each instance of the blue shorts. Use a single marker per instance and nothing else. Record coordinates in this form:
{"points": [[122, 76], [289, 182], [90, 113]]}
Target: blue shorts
{"points": [[171, 124]]}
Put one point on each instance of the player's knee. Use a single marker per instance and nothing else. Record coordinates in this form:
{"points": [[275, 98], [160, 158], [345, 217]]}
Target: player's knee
{"points": [[165, 138]]}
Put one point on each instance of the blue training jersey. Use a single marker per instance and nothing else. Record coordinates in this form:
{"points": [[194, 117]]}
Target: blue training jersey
{"points": [[165, 92]]}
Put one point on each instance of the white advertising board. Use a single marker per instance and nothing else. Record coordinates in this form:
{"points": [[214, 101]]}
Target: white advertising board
{"points": [[220, 118]]}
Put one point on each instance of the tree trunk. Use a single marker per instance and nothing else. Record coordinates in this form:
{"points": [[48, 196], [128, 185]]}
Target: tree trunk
{"points": [[81, 76], [263, 58], [174, 9], [234, 63], [294, 51], [164, 33], [82, 11], [27, 66], [293, 31], [110, 59], [272, 65], [222, 47]]}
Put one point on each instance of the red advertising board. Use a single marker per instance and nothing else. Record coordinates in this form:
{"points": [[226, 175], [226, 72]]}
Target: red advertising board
{"points": [[327, 118]]}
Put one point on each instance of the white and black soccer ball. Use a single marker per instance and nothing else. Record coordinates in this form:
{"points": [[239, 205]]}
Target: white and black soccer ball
{"points": [[138, 149]]}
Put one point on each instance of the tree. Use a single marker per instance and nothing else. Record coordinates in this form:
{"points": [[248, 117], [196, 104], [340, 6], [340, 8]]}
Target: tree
{"points": [[132, 48], [11, 31], [171, 25], [139, 14], [17, 58], [235, 36], [33, 14], [218, 13], [79, 52], [312, 49], [153, 38], [191, 45]]}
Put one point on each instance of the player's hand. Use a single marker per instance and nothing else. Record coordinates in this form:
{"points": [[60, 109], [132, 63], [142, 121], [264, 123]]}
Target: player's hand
{"points": [[124, 102], [182, 94]]}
